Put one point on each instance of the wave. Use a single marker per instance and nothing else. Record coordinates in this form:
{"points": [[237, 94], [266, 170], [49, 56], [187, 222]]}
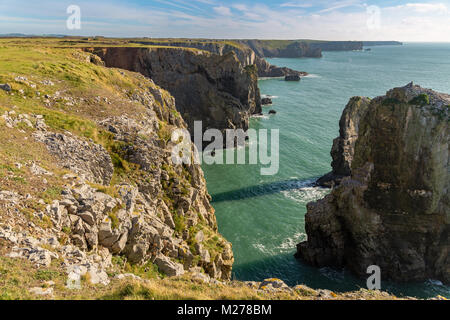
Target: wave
{"points": [[259, 116], [269, 96], [291, 242], [306, 194], [312, 76]]}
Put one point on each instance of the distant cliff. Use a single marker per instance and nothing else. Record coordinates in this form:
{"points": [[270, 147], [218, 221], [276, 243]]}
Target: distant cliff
{"points": [[246, 55], [381, 43], [298, 48], [393, 211], [215, 89]]}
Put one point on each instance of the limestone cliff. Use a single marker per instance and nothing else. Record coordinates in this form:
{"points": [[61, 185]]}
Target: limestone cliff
{"points": [[243, 51], [208, 87], [394, 209]]}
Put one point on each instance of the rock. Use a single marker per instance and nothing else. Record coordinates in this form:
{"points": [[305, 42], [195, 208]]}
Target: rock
{"points": [[200, 277], [223, 98], [82, 157], [306, 291], [37, 170], [292, 78], [9, 196], [169, 267], [6, 87], [41, 291], [393, 211], [98, 277], [200, 237], [344, 146], [272, 112], [88, 218], [129, 276], [40, 257], [266, 101], [274, 284]]}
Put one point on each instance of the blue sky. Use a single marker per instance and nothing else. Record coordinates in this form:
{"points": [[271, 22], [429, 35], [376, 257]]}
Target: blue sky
{"points": [[404, 20]]}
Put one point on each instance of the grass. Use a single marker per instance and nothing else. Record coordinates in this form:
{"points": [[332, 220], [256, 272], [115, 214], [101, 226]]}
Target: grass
{"points": [[17, 278], [421, 100]]}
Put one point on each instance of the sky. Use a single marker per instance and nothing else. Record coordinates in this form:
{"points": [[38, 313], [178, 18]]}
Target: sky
{"points": [[402, 20]]}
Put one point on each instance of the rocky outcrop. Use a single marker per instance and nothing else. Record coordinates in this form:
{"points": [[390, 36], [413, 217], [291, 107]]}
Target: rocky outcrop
{"points": [[214, 89], [266, 101], [85, 158], [394, 209], [292, 78], [344, 146], [267, 70]]}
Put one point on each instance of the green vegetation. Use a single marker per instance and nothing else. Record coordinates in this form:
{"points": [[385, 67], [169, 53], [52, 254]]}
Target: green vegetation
{"points": [[390, 102], [421, 100]]}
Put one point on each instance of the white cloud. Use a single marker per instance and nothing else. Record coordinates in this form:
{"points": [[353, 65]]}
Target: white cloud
{"points": [[224, 11], [240, 7], [407, 22], [297, 4], [423, 7]]}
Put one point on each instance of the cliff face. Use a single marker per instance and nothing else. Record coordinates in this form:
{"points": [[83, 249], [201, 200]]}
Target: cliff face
{"points": [[97, 181], [394, 209], [243, 51], [337, 45], [299, 48], [282, 48], [343, 148], [215, 89]]}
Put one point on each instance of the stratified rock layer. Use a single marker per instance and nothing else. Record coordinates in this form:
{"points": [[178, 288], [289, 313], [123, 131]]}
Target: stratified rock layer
{"points": [[394, 209]]}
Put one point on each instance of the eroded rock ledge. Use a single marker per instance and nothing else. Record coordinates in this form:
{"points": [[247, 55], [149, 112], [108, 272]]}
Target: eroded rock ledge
{"points": [[394, 209]]}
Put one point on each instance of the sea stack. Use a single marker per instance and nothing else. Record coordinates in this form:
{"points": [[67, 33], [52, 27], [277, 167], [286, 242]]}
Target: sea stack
{"points": [[393, 211], [343, 148]]}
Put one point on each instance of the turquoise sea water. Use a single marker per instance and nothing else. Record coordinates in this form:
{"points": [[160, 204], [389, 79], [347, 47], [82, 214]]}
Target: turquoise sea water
{"points": [[263, 216]]}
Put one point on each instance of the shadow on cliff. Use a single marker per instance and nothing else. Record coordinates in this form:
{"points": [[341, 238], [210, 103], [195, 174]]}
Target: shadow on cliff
{"points": [[262, 190]]}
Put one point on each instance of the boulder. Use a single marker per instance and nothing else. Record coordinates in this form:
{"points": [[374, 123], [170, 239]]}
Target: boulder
{"points": [[294, 77], [169, 267], [266, 101], [6, 87]]}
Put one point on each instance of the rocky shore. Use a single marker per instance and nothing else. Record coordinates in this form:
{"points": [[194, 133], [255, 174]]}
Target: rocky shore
{"points": [[391, 208]]}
